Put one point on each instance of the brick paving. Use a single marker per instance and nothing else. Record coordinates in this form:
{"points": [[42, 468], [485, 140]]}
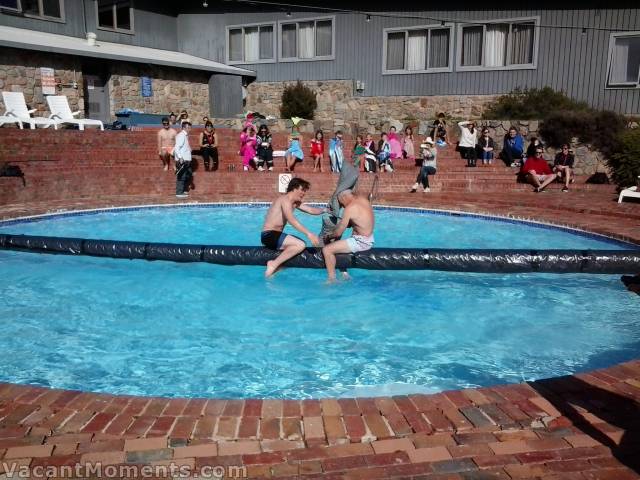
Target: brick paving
{"points": [[585, 426]]}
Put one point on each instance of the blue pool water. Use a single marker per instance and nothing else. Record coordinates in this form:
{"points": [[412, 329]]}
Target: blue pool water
{"points": [[159, 328]]}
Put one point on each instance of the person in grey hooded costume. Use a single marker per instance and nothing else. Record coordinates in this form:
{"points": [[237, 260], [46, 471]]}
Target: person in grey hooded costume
{"points": [[347, 181]]}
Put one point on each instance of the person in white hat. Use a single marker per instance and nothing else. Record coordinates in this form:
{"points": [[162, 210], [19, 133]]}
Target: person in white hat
{"points": [[429, 154]]}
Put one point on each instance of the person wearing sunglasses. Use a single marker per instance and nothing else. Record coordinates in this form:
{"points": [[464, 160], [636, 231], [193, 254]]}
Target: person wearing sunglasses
{"points": [[166, 143], [486, 146], [563, 166], [537, 171]]}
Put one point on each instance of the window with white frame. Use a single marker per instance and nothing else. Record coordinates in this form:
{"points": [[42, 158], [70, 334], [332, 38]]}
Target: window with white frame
{"points": [[419, 49], [309, 39], [115, 15], [624, 60], [499, 45], [251, 43], [47, 9]]}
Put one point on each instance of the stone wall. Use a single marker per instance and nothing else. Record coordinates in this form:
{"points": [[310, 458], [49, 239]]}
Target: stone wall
{"points": [[339, 107], [20, 72], [173, 90], [588, 159]]}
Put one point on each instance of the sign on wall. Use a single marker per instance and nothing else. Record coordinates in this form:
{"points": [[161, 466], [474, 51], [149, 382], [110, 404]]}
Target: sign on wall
{"points": [[48, 79], [146, 87]]}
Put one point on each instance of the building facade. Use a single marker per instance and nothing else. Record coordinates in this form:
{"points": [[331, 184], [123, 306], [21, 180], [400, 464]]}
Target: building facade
{"points": [[364, 62], [109, 55]]}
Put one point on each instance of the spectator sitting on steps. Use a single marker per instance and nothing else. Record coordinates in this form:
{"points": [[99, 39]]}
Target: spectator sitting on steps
{"points": [[537, 171], [439, 130], [209, 147], [512, 148], [486, 147], [429, 154], [563, 166], [534, 142], [265, 148]]}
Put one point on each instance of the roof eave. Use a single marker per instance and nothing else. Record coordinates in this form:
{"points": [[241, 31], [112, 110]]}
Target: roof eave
{"points": [[94, 53]]}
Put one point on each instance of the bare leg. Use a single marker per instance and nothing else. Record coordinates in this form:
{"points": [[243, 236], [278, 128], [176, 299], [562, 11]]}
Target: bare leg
{"points": [[329, 253], [533, 179], [567, 176], [291, 247], [165, 161], [549, 179]]}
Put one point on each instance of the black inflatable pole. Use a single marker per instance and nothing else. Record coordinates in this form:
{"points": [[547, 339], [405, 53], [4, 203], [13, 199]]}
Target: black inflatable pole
{"points": [[452, 260]]}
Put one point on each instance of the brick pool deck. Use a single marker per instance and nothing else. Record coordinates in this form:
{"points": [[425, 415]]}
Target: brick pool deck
{"points": [[585, 426]]}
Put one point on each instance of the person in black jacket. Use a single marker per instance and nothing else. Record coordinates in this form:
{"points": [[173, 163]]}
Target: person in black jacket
{"points": [[533, 144], [485, 147], [265, 149], [563, 166]]}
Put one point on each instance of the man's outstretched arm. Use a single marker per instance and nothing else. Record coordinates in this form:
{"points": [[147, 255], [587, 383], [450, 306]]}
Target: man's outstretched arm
{"points": [[312, 210]]}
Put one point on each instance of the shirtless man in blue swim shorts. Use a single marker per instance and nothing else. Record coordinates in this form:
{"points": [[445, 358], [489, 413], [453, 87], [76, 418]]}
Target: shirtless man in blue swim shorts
{"points": [[358, 215], [280, 213]]}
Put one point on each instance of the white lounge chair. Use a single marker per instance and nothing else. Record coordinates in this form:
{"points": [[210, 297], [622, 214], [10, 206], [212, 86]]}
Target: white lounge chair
{"points": [[60, 111], [629, 192], [16, 109], [4, 119]]}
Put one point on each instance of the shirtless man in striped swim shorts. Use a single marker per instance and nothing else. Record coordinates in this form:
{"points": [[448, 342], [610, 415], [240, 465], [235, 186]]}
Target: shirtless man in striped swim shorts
{"points": [[358, 215]]}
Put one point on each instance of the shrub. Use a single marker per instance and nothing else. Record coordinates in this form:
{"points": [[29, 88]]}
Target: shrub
{"points": [[624, 160], [531, 104], [598, 128], [298, 101]]}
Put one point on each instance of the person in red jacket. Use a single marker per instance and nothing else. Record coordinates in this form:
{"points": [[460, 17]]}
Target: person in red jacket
{"points": [[537, 171]]}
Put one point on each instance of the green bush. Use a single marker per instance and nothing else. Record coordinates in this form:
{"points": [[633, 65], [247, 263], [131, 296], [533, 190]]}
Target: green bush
{"points": [[598, 128], [624, 160], [298, 101], [531, 104]]}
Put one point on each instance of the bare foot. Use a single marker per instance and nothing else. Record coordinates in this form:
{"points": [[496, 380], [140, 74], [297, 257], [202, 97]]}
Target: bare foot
{"points": [[166, 167], [331, 280], [270, 269], [346, 276]]}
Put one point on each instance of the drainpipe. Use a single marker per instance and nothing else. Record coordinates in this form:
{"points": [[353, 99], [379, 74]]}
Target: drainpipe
{"points": [[84, 17]]}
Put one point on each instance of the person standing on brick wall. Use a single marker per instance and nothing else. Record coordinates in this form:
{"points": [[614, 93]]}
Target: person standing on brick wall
{"points": [[166, 143], [182, 154]]}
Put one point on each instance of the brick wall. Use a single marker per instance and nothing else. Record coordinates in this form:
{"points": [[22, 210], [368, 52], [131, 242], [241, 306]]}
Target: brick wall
{"points": [[70, 164]]}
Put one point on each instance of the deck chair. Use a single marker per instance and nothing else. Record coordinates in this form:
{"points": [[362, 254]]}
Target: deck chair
{"points": [[629, 192], [4, 119], [16, 109], [60, 111]]}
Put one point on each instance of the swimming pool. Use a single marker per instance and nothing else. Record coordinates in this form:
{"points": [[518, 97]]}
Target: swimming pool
{"points": [[159, 328]]}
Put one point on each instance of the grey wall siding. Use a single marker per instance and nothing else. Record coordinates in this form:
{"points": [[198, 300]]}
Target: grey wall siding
{"points": [[73, 24], [153, 26], [567, 59]]}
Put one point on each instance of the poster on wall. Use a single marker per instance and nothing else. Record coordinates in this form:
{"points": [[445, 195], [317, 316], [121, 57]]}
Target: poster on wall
{"points": [[146, 87], [48, 81]]}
